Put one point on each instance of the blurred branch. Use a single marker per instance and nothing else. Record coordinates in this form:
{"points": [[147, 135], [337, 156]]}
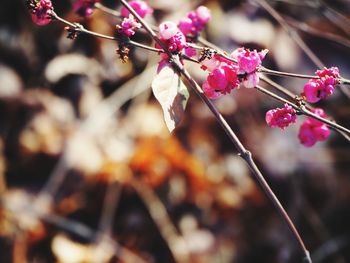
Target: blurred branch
{"points": [[302, 26], [89, 234], [330, 247], [110, 204], [335, 17], [291, 32], [107, 10], [161, 218]]}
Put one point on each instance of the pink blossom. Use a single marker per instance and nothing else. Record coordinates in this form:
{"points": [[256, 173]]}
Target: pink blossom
{"points": [[221, 81], [251, 80], [41, 12], [190, 52], [309, 134], [281, 117], [167, 30], [129, 25], [185, 25], [317, 89], [195, 21], [203, 14], [248, 61], [84, 7], [331, 72], [210, 92], [172, 37], [177, 42], [312, 130], [311, 91], [141, 8], [209, 64]]}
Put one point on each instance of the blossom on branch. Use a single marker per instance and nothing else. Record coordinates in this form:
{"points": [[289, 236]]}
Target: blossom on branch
{"points": [[172, 37], [318, 89], [128, 26], [312, 130], [281, 117], [195, 21], [140, 7], [41, 11], [248, 63]]}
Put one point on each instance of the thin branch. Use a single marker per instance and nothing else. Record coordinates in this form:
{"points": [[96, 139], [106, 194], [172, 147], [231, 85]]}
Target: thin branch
{"points": [[285, 74], [278, 87], [291, 32], [160, 217], [335, 17], [80, 29], [296, 75], [243, 152], [107, 10], [317, 32], [299, 41], [109, 208]]}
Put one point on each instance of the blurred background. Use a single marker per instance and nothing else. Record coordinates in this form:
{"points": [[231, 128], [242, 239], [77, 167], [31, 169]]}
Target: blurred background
{"points": [[89, 172]]}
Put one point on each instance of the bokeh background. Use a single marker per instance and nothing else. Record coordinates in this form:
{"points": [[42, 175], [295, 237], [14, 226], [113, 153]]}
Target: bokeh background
{"points": [[89, 172]]}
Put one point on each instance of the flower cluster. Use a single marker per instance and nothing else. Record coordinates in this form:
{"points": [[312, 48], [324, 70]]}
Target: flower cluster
{"points": [[140, 7], [312, 131], [84, 8], [129, 23], [195, 21], [226, 75], [248, 62], [172, 37], [128, 26], [40, 10], [281, 117], [321, 88], [221, 80]]}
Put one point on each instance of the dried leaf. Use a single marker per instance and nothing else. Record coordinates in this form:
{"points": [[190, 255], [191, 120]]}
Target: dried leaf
{"points": [[172, 95]]}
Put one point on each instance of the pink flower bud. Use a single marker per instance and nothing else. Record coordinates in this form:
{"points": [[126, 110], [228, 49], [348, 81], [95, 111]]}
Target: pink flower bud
{"points": [[320, 112], [195, 21], [248, 61], [203, 14], [41, 12], [251, 80], [306, 135], [331, 72], [210, 92], [167, 30], [317, 89], [311, 91], [141, 8], [312, 130], [281, 117], [186, 26], [129, 25]]}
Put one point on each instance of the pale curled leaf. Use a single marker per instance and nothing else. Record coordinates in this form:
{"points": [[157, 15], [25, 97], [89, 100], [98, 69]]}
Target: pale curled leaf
{"points": [[172, 95]]}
